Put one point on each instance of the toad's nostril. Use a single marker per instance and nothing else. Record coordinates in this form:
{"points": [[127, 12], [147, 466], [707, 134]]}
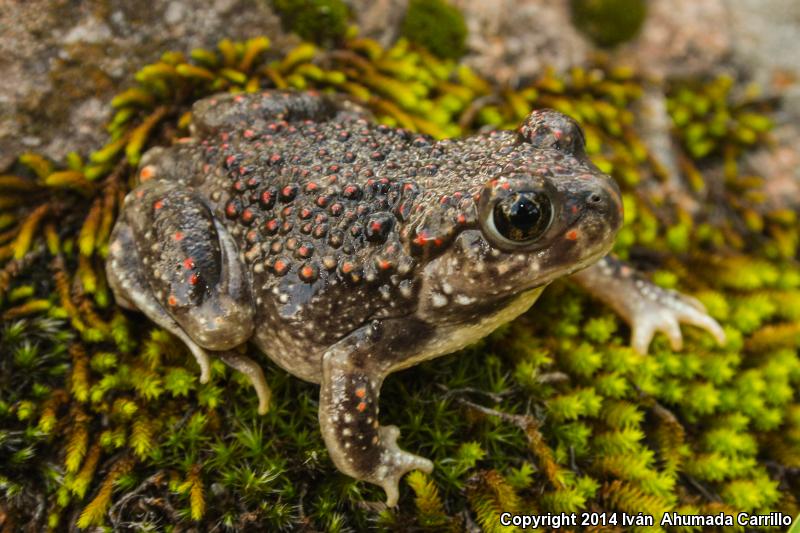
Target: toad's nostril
{"points": [[595, 198]]}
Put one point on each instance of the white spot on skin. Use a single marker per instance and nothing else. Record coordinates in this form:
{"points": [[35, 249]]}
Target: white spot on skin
{"points": [[438, 300], [405, 289], [462, 299]]}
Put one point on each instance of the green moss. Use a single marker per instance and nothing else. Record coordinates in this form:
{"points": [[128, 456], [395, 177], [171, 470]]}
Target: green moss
{"points": [[437, 26], [609, 22], [320, 21], [709, 122]]}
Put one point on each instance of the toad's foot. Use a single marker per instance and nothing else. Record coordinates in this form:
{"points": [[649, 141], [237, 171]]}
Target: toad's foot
{"points": [[253, 371], [394, 463], [645, 306], [664, 310]]}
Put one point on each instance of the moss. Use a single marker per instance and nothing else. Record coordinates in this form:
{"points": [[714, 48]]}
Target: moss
{"points": [[437, 26], [609, 22], [103, 420], [320, 21], [710, 123]]}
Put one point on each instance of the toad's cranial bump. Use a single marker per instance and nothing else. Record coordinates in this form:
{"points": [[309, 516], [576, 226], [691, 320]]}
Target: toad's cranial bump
{"points": [[346, 250]]}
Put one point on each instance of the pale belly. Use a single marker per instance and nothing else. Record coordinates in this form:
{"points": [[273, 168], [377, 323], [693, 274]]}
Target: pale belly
{"points": [[298, 355], [449, 339]]}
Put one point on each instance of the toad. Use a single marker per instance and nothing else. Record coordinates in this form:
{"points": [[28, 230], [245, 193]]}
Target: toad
{"points": [[346, 250]]}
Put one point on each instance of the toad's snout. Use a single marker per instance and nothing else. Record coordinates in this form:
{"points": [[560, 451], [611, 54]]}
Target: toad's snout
{"points": [[603, 197]]}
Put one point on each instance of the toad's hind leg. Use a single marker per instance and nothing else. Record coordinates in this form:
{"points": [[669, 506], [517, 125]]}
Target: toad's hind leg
{"points": [[126, 278], [190, 263], [171, 259]]}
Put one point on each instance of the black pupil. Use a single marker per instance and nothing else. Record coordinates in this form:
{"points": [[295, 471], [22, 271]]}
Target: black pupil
{"points": [[522, 216]]}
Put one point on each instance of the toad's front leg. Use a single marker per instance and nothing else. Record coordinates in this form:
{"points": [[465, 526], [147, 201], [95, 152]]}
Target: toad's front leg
{"points": [[646, 307], [348, 413]]}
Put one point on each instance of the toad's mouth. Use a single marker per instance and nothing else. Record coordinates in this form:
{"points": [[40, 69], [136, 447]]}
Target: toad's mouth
{"points": [[590, 259]]}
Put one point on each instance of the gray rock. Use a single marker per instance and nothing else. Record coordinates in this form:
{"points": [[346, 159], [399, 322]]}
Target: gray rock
{"points": [[63, 61], [517, 39]]}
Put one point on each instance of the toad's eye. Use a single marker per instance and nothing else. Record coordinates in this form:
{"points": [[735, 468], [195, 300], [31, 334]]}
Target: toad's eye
{"points": [[522, 217]]}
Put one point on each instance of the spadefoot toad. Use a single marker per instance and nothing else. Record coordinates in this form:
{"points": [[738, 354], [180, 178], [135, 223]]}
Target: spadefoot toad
{"points": [[346, 250]]}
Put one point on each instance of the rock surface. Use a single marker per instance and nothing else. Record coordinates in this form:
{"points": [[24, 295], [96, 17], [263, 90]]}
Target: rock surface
{"points": [[517, 39], [62, 61]]}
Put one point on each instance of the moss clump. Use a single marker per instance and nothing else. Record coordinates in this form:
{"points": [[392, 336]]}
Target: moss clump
{"points": [[716, 124], [437, 26], [609, 22], [321, 21], [710, 122]]}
